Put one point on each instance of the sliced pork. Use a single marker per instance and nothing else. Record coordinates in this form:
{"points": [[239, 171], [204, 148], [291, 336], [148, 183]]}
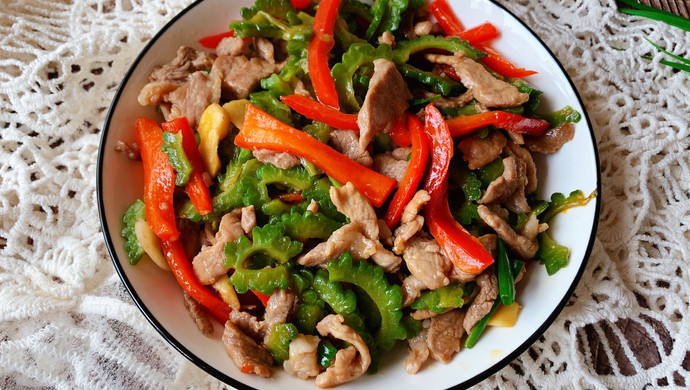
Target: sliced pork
{"points": [[354, 205], [444, 335], [191, 99], [385, 102], [347, 143], [349, 363], [208, 264], [486, 88], [247, 355], [426, 262], [282, 160], [199, 315], [482, 303], [552, 139], [391, 164], [524, 246], [478, 152]]}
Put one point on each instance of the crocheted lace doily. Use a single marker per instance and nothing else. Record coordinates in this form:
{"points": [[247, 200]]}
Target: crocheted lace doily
{"points": [[66, 320]]}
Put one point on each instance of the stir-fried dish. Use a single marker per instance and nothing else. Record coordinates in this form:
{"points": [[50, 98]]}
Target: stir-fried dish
{"points": [[332, 178]]}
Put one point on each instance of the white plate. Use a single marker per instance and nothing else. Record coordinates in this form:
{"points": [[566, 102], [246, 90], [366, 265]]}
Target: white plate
{"points": [[159, 297]]}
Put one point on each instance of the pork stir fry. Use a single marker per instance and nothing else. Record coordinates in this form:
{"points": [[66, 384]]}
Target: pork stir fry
{"points": [[322, 195]]}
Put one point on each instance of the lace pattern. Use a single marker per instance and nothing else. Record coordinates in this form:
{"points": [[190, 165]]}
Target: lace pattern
{"points": [[64, 309]]}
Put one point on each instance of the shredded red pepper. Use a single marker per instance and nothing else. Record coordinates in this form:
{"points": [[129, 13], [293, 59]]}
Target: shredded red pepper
{"points": [[290, 197], [321, 112], [319, 51], [262, 131], [501, 65], [479, 34], [184, 273], [159, 180], [196, 187], [413, 174], [400, 134], [212, 41], [300, 4], [465, 124], [462, 248], [446, 17]]}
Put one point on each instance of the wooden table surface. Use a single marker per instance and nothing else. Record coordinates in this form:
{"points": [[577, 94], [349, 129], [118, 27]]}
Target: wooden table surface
{"points": [[678, 7]]}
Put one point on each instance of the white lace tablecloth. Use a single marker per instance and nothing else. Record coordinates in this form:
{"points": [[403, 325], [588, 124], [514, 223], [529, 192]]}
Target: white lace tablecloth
{"points": [[66, 320]]}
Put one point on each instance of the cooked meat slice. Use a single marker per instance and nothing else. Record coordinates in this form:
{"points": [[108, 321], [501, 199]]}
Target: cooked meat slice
{"points": [[517, 202], [490, 242], [248, 219], [346, 142], [415, 205], [444, 334], [247, 355], [387, 38], [300, 89], [265, 49], [386, 259], [208, 264], [302, 362], [155, 92], [486, 88], [552, 139], [458, 276], [356, 207], [423, 314], [481, 151], [388, 165], [241, 75], [411, 289], [405, 232], [504, 186], [189, 237], [350, 363], [531, 168], [278, 309], [417, 353], [313, 206], [347, 238], [524, 247], [516, 137], [412, 222], [385, 102], [199, 315], [482, 303], [248, 324], [426, 261], [385, 234], [427, 27], [234, 46], [192, 98], [186, 62], [282, 160]]}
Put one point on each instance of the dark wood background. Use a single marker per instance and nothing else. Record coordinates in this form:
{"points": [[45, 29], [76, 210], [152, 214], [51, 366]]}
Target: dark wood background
{"points": [[678, 7]]}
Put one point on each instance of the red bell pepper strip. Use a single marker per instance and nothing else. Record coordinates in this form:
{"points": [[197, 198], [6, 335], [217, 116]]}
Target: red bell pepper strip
{"points": [[319, 50], [400, 134], [196, 187], [463, 249], [501, 65], [212, 41], [465, 124], [262, 131], [184, 273], [482, 33], [300, 4], [413, 174], [159, 180], [262, 297], [446, 17], [321, 112]]}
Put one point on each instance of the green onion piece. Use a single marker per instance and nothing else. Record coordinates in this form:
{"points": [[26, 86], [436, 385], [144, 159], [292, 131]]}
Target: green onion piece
{"points": [[506, 282]]}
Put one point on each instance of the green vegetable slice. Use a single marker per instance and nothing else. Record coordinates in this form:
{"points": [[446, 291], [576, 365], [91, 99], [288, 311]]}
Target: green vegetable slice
{"points": [[172, 146], [441, 299], [453, 44], [278, 344], [388, 298], [133, 248]]}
